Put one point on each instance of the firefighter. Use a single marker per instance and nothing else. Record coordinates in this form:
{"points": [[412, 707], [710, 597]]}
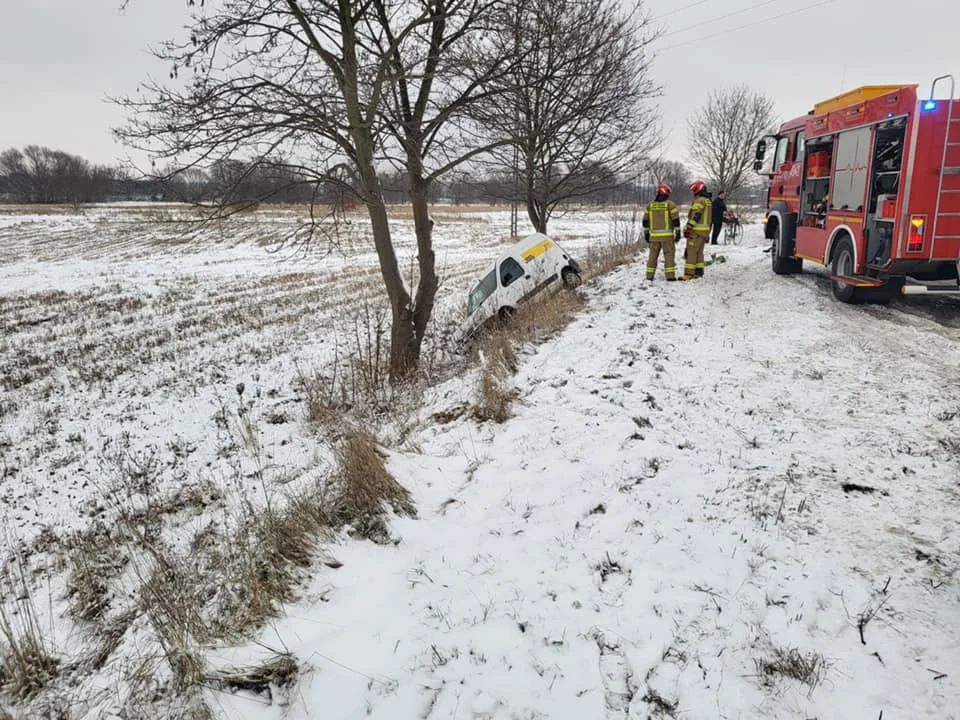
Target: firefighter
{"points": [[697, 230], [661, 227]]}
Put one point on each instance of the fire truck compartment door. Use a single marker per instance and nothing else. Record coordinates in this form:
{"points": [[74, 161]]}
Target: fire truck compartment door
{"points": [[852, 162]]}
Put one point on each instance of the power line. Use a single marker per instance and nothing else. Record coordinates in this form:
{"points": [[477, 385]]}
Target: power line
{"points": [[680, 9], [747, 25], [721, 17]]}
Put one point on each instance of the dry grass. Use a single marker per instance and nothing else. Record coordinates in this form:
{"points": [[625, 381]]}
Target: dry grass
{"points": [[234, 573], [807, 668], [268, 559], [27, 663], [232, 579], [366, 490], [533, 323], [661, 706], [495, 399], [280, 671], [446, 213], [499, 362], [37, 209], [110, 633], [620, 249], [93, 561], [357, 378], [171, 596], [542, 318], [324, 405]]}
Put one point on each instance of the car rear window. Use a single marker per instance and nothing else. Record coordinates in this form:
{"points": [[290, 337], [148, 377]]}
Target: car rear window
{"points": [[482, 291]]}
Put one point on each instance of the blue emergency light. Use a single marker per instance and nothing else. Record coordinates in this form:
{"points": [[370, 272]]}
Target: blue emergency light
{"points": [[929, 105]]}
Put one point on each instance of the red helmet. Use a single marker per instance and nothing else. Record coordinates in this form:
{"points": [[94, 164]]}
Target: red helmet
{"points": [[697, 187], [664, 189]]}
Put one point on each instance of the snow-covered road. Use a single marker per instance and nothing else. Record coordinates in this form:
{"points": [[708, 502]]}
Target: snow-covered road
{"points": [[708, 489]]}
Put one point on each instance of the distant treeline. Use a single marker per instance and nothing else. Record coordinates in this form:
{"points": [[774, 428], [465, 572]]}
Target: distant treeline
{"points": [[41, 175]]}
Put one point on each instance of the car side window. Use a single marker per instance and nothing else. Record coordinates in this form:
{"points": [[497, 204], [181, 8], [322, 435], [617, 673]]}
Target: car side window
{"points": [[510, 270]]}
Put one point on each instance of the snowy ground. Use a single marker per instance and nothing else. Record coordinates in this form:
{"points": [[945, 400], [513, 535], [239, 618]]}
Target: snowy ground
{"points": [[125, 333], [700, 478], [151, 368], [701, 482]]}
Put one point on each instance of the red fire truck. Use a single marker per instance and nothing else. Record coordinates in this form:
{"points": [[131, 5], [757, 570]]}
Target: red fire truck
{"points": [[868, 184]]}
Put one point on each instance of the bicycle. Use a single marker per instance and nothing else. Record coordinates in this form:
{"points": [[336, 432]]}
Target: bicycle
{"points": [[732, 230]]}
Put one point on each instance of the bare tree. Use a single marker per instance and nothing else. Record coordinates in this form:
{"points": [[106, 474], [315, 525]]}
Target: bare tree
{"points": [[13, 167], [42, 175], [339, 89], [673, 173], [578, 98], [723, 134]]}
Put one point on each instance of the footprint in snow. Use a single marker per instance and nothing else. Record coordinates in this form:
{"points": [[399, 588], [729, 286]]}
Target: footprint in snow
{"points": [[616, 676]]}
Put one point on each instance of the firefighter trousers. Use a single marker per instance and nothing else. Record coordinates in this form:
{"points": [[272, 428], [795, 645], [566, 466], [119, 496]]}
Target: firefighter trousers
{"points": [[669, 258], [693, 257]]}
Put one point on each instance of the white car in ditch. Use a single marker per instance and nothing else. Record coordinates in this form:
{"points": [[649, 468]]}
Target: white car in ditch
{"points": [[520, 272]]}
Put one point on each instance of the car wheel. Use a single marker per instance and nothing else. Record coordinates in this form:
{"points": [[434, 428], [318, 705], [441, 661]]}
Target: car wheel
{"points": [[506, 312], [783, 263], [842, 264], [571, 278]]}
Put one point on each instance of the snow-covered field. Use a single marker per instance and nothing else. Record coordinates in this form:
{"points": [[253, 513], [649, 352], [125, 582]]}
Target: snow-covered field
{"points": [[731, 498], [128, 334]]}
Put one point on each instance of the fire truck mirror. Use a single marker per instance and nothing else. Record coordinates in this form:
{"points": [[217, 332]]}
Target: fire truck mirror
{"points": [[761, 151], [764, 162]]}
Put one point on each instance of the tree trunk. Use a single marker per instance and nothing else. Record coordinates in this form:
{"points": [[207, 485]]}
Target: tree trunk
{"points": [[403, 357], [537, 214], [536, 210], [404, 352], [426, 259]]}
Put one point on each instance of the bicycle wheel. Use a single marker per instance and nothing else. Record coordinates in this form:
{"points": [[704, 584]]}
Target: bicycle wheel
{"points": [[736, 233]]}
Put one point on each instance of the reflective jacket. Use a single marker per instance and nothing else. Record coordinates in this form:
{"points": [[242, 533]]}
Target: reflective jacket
{"points": [[661, 219], [700, 218]]}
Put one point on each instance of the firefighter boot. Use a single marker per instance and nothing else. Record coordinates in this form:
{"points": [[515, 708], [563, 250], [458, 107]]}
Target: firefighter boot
{"points": [[689, 267], [694, 257]]}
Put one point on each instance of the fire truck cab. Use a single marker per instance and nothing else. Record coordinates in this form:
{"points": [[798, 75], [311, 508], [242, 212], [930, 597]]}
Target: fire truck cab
{"points": [[868, 184]]}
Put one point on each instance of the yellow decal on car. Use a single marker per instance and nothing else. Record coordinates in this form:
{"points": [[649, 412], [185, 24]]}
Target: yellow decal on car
{"points": [[538, 249]]}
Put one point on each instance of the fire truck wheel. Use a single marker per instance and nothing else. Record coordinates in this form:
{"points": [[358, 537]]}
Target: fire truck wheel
{"points": [[842, 264], [782, 262]]}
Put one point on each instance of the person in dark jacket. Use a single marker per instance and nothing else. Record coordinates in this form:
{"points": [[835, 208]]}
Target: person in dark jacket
{"points": [[719, 208]]}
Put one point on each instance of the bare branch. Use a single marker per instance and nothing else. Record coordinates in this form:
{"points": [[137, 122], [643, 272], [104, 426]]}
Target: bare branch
{"points": [[722, 135], [327, 93], [577, 103]]}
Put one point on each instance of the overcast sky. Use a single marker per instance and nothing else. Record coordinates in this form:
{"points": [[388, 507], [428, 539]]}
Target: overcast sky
{"points": [[60, 59]]}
